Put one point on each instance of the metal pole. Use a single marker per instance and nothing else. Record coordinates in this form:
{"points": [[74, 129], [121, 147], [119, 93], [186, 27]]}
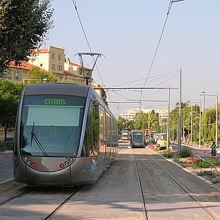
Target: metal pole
{"points": [[191, 136], [216, 129], [180, 114], [148, 120], [168, 120], [200, 121]]}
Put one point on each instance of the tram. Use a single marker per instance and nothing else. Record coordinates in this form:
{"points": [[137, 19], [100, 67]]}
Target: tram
{"points": [[65, 135], [137, 138]]}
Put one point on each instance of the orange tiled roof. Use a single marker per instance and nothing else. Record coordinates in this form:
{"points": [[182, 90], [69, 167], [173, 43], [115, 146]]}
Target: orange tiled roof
{"points": [[23, 65], [76, 64], [42, 51]]}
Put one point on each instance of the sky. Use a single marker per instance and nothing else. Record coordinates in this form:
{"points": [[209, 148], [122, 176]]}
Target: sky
{"points": [[127, 32]]}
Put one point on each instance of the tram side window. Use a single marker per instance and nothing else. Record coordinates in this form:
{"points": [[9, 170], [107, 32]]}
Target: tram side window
{"points": [[91, 138]]}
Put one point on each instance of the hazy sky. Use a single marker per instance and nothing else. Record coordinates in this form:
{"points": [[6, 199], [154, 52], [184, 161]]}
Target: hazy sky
{"points": [[127, 32]]}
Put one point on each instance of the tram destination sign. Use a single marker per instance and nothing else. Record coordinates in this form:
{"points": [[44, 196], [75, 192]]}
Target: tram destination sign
{"points": [[55, 102]]}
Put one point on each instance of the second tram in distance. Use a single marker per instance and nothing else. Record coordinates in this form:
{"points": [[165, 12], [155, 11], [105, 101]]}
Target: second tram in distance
{"points": [[65, 135], [137, 138]]}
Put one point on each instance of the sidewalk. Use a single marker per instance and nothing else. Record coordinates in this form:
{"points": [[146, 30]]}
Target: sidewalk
{"points": [[202, 151], [6, 166]]}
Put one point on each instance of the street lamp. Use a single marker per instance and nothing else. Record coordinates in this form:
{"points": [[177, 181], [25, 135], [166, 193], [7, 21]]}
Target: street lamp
{"points": [[203, 93]]}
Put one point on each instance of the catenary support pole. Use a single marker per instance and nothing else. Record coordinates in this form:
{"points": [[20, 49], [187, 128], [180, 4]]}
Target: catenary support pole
{"points": [[191, 134], [180, 114], [216, 127], [168, 120]]}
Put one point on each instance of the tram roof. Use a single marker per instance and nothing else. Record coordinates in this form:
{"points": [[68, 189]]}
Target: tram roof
{"points": [[57, 88]]}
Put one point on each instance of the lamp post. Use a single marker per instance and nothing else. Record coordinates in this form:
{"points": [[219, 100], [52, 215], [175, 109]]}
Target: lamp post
{"points": [[200, 123], [204, 95]]}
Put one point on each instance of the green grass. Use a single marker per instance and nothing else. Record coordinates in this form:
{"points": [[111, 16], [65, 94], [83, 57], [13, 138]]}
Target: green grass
{"points": [[207, 163], [168, 153]]}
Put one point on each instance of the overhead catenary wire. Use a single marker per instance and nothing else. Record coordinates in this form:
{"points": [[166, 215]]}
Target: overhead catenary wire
{"points": [[158, 45], [87, 41], [173, 76], [154, 77]]}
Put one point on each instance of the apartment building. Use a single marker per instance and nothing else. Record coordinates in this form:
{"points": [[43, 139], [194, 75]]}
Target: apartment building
{"points": [[131, 113]]}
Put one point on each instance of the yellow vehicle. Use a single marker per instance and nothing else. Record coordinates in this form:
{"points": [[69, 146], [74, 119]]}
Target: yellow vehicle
{"points": [[162, 141]]}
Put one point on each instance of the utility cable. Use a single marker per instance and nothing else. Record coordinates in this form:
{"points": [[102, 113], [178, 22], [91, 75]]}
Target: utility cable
{"points": [[87, 41], [154, 77], [157, 47]]}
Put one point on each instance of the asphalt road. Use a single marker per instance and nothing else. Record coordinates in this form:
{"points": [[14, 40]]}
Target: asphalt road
{"points": [[139, 183]]}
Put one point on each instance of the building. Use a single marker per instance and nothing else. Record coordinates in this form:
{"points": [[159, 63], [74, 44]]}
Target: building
{"points": [[18, 73], [73, 73], [53, 60], [131, 113], [100, 91]]}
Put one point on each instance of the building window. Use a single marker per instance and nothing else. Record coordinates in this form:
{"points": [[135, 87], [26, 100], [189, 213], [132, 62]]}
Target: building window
{"points": [[59, 57], [41, 65], [53, 56], [53, 67], [60, 67], [17, 77]]}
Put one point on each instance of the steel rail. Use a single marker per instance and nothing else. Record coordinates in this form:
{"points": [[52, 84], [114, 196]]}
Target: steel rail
{"points": [[141, 188], [18, 195], [200, 204], [59, 207]]}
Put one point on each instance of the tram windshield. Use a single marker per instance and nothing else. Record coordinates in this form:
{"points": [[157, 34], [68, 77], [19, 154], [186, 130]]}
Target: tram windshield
{"points": [[138, 138], [51, 125]]}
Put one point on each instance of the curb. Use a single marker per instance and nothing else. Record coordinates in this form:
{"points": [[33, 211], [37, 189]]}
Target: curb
{"points": [[201, 178], [6, 181]]}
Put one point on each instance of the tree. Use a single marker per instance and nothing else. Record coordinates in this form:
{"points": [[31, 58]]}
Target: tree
{"points": [[154, 121], [9, 96], [121, 123], [141, 120], [125, 124], [37, 75], [23, 26]]}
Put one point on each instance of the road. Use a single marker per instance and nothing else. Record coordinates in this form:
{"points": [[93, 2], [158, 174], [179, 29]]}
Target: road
{"points": [[6, 166], [140, 184]]}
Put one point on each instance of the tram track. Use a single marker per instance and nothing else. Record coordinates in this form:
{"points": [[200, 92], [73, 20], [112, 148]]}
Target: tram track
{"points": [[200, 204], [35, 192], [15, 196], [59, 207], [141, 187]]}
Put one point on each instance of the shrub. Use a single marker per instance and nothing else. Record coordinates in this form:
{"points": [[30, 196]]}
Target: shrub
{"points": [[202, 164], [185, 153], [213, 162], [168, 153]]}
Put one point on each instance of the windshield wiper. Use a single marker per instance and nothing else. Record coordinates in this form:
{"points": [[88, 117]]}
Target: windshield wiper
{"points": [[35, 138]]}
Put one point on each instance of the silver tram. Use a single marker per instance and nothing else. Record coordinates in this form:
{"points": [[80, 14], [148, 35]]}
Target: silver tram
{"points": [[65, 135], [137, 138]]}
